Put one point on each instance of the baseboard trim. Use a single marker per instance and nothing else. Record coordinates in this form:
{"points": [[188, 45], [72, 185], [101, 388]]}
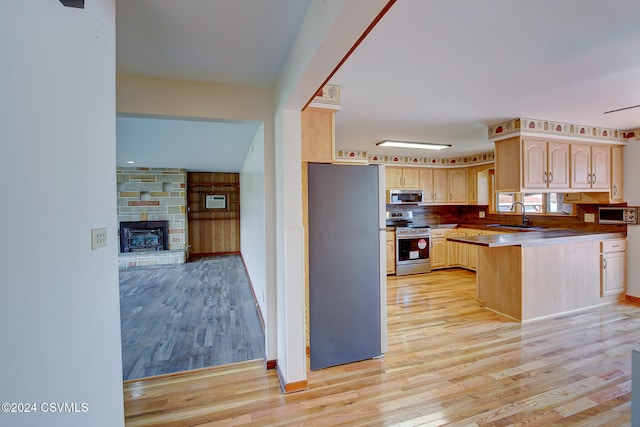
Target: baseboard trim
{"points": [[189, 372], [253, 292], [294, 387], [271, 364], [631, 298]]}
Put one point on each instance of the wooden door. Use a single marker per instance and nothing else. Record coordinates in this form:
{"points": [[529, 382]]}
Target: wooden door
{"points": [[558, 165], [214, 225], [580, 165], [534, 164], [601, 167]]}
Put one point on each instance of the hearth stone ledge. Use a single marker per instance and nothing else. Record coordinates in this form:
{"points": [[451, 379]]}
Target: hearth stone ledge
{"points": [[149, 258]]}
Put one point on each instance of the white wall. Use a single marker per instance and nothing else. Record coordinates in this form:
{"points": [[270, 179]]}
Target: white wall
{"points": [[253, 228], [59, 307], [632, 196]]}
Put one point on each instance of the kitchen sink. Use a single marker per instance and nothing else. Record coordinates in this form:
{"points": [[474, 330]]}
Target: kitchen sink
{"points": [[517, 227]]}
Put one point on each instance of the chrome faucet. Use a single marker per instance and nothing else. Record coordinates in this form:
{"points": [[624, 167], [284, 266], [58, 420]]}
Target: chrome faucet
{"points": [[525, 218]]}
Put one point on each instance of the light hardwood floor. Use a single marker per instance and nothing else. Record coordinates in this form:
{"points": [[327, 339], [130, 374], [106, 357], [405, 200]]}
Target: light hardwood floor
{"points": [[450, 362]]}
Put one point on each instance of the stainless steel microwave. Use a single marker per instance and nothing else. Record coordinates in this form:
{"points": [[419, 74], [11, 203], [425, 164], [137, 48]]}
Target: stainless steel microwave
{"points": [[404, 197], [618, 215]]}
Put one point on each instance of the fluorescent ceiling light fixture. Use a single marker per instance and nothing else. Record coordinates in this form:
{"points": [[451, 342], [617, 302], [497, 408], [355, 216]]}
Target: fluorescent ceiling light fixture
{"points": [[131, 162], [407, 144]]}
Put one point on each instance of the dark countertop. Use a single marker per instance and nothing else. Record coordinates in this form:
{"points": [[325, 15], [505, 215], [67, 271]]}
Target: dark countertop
{"points": [[536, 238]]}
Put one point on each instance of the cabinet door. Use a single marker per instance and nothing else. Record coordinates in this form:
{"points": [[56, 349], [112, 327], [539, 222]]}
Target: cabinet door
{"points": [[318, 142], [613, 269], [463, 249], [391, 252], [473, 251], [557, 165], [440, 178], [601, 167], [393, 177], [580, 165], [457, 186], [534, 164], [411, 178], [617, 189], [438, 253], [426, 184], [452, 249], [472, 185]]}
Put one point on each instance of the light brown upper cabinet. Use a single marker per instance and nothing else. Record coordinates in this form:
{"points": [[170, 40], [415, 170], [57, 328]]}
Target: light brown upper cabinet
{"points": [[457, 182], [617, 188], [524, 164], [318, 135], [590, 166], [545, 164], [472, 185], [397, 177], [434, 184]]}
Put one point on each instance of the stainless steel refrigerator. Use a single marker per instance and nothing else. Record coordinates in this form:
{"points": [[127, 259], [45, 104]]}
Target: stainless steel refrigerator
{"points": [[347, 272]]}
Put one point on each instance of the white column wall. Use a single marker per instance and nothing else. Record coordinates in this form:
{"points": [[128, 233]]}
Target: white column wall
{"points": [[329, 30], [253, 231], [59, 307], [632, 196]]}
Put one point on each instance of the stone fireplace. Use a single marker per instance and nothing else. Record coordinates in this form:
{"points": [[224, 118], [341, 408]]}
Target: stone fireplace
{"points": [[152, 216]]}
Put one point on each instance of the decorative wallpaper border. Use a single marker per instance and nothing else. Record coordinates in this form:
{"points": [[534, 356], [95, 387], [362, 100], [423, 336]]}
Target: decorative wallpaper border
{"points": [[632, 135], [547, 127], [327, 97], [364, 157]]}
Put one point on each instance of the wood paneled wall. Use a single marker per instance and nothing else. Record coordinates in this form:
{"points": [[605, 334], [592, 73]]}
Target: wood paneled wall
{"points": [[213, 231]]}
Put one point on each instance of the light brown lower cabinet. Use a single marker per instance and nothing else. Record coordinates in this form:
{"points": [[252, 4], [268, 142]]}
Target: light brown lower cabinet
{"points": [[438, 253], [613, 264], [391, 252]]}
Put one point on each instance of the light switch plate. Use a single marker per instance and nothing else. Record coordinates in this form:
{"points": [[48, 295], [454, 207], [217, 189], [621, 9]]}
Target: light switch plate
{"points": [[98, 238], [481, 214], [589, 217]]}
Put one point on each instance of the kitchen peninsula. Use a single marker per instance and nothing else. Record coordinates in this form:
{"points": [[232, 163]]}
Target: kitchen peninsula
{"points": [[534, 274]]}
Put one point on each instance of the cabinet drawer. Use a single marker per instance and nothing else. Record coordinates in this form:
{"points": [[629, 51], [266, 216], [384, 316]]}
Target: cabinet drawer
{"points": [[617, 245], [438, 233]]}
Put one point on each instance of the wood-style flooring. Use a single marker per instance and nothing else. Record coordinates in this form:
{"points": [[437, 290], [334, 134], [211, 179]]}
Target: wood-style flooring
{"points": [[187, 316], [450, 362]]}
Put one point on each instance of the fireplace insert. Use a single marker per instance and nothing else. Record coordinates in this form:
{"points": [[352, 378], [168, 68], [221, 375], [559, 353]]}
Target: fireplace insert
{"points": [[143, 236]]}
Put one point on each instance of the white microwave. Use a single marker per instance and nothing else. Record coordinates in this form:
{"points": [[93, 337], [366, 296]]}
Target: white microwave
{"points": [[618, 215], [404, 197]]}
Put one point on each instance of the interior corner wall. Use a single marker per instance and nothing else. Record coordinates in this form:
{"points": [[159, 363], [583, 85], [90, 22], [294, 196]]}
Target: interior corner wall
{"points": [[59, 307], [253, 242]]}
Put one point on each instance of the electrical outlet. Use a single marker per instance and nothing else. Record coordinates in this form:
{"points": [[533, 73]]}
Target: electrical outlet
{"points": [[98, 238], [589, 217], [481, 214]]}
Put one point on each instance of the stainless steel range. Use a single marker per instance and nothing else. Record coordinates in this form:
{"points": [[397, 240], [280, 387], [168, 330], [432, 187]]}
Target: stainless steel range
{"points": [[413, 244]]}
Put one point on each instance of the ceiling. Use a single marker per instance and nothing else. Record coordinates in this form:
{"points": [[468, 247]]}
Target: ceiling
{"points": [[431, 70]]}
